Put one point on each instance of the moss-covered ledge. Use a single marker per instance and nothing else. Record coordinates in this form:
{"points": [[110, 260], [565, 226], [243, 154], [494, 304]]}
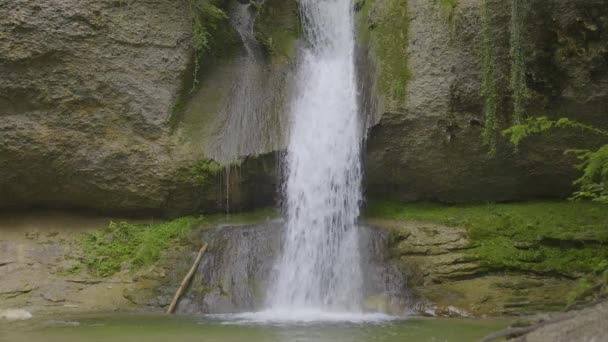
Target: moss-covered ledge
{"points": [[496, 258]]}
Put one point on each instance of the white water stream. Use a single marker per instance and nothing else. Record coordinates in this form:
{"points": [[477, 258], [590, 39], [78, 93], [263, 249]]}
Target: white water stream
{"points": [[319, 272], [318, 276]]}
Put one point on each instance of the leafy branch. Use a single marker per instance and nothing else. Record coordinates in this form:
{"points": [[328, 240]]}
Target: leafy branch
{"points": [[593, 184], [206, 16]]}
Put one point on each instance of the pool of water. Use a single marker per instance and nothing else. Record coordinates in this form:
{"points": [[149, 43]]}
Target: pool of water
{"points": [[157, 328]]}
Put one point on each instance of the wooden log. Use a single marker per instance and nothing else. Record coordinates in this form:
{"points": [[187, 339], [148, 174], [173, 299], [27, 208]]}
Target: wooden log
{"points": [[186, 280]]}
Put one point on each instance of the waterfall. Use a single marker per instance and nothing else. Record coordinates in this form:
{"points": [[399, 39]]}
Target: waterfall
{"points": [[320, 265]]}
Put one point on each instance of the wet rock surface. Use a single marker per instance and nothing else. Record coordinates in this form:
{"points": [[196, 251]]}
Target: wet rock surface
{"points": [[87, 92], [238, 266], [235, 270], [446, 280], [407, 267], [583, 325], [88, 104], [430, 146], [90, 90], [42, 273]]}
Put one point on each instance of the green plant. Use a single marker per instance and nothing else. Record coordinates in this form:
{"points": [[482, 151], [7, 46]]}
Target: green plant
{"points": [[518, 71], [277, 27], [202, 172], [593, 183], [489, 86], [590, 287], [566, 238], [106, 250], [384, 26], [142, 244], [447, 8], [206, 15]]}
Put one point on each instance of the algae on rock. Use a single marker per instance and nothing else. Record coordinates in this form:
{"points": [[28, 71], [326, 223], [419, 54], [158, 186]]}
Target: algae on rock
{"points": [[475, 76], [382, 27]]}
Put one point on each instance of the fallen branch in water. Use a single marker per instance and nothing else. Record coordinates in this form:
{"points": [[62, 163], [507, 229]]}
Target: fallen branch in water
{"points": [[186, 280]]}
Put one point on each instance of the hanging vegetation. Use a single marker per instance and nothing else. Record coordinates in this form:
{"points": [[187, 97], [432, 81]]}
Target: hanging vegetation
{"points": [[489, 87], [593, 184], [447, 8], [206, 16], [518, 72]]}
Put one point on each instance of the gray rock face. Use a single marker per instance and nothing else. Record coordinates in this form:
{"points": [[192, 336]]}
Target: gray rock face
{"points": [[430, 146], [87, 92], [87, 105], [90, 92], [235, 271], [238, 266], [445, 279], [584, 325]]}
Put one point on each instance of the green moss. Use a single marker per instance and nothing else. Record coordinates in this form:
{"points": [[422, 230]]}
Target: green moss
{"points": [[364, 23], [206, 17], [489, 86], [202, 172], [277, 27], [500, 253], [447, 8], [568, 238], [385, 31], [518, 70], [140, 244], [252, 217], [213, 40], [593, 183], [590, 287]]}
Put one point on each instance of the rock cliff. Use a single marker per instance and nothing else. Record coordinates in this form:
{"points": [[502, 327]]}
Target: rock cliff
{"points": [[459, 73], [92, 101], [104, 105]]}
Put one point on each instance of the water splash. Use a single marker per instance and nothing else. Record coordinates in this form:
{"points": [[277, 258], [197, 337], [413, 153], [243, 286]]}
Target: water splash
{"points": [[302, 317], [320, 269]]}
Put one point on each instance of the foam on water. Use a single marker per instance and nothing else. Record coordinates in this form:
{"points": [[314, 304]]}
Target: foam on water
{"points": [[302, 317]]}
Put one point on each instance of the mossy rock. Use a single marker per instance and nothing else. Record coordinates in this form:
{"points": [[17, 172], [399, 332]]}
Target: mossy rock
{"points": [[277, 27], [382, 27]]}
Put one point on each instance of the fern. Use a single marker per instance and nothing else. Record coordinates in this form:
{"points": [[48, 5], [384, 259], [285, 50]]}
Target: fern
{"points": [[593, 184], [541, 124]]}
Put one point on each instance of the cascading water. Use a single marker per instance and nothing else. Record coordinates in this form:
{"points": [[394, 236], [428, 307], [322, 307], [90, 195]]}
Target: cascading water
{"points": [[320, 266], [318, 276]]}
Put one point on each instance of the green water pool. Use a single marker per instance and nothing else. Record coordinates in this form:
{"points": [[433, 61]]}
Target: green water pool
{"points": [[158, 328]]}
